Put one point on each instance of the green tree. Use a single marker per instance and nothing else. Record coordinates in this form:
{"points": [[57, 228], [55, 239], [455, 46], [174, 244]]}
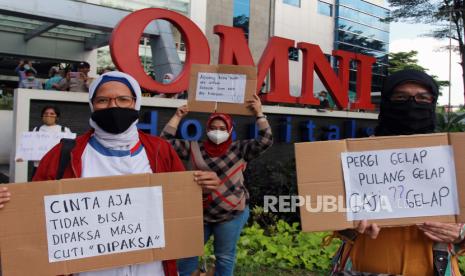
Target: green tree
{"points": [[437, 13], [450, 121], [104, 59], [408, 60]]}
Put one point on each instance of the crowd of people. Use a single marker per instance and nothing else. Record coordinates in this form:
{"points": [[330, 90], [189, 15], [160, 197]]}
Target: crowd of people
{"points": [[59, 79], [407, 107], [77, 80]]}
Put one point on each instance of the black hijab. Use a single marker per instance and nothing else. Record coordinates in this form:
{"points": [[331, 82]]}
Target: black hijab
{"points": [[410, 117]]}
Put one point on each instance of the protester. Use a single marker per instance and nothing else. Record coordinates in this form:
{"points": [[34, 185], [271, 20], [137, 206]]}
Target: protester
{"points": [[22, 67], [408, 104], [168, 78], [30, 82], [50, 116], [55, 76], [114, 146], [226, 209], [76, 81]]}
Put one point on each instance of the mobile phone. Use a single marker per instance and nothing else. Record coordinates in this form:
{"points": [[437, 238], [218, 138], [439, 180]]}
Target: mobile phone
{"points": [[74, 74]]}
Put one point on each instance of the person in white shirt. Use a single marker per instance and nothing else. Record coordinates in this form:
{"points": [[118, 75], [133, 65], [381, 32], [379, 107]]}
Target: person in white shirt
{"points": [[50, 116]]}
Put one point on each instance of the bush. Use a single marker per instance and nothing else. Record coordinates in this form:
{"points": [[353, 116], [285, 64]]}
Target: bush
{"points": [[282, 247]]}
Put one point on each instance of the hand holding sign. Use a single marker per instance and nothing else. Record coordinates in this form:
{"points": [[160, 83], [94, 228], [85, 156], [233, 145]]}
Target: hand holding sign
{"points": [[371, 230], [182, 111], [209, 181], [442, 232], [4, 196], [395, 180], [255, 105], [98, 223]]}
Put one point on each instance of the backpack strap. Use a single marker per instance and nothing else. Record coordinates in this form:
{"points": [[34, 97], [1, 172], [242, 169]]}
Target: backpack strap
{"points": [[341, 262], [65, 156], [441, 259], [63, 129]]}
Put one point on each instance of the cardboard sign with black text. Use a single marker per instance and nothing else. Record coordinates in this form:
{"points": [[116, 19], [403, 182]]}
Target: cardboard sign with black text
{"points": [[394, 181], [76, 225], [221, 88]]}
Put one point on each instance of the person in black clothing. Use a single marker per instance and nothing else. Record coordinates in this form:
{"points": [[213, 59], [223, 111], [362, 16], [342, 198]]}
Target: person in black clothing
{"points": [[408, 107], [322, 96]]}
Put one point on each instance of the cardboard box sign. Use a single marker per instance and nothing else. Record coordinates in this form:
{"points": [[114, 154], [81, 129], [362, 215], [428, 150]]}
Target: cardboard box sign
{"points": [[393, 181], [221, 88], [39, 229]]}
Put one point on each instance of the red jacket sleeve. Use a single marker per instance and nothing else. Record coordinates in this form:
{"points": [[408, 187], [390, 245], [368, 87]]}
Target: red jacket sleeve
{"points": [[48, 166]]}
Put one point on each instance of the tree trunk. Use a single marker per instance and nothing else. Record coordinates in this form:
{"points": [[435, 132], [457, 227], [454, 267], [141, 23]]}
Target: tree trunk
{"points": [[462, 59], [459, 19], [462, 64]]}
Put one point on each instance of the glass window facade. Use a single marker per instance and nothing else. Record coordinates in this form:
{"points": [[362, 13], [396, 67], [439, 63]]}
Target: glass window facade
{"points": [[325, 8], [241, 15], [181, 6], [363, 18], [366, 7], [360, 28], [292, 2], [362, 41]]}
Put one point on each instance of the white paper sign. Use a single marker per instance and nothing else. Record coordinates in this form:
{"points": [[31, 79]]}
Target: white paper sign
{"points": [[400, 183], [35, 144], [91, 224], [217, 87]]}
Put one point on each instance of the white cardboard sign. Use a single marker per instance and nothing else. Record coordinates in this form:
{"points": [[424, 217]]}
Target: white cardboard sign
{"points": [[35, 144], [400, 183], [219, 87], [82, 225]]}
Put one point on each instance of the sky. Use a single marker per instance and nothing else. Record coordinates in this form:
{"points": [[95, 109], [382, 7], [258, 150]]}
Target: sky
{"points": [[406, 37]]}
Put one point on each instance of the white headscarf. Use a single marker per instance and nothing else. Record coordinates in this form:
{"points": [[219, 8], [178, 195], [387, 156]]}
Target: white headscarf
{"points": [[130, 137]]}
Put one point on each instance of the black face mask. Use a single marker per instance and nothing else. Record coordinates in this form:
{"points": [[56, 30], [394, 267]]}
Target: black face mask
{"points": [[115, 120], [404, 118]]}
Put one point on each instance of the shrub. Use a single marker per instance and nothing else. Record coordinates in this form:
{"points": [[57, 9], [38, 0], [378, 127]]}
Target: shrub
{"points": [[282, 247]]}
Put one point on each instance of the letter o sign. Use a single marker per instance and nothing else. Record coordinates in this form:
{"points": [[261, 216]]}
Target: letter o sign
{"points": [[124, 47], [198, 130]]}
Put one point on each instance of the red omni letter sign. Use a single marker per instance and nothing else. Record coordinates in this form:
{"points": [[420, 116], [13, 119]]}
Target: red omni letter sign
{"points": [[124, 47]]}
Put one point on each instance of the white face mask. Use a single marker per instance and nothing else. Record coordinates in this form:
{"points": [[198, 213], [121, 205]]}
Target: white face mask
{"points": [[218, 136]]}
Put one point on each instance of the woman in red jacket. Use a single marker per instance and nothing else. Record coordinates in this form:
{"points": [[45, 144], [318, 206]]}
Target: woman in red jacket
{"points": [[114, 146]]}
